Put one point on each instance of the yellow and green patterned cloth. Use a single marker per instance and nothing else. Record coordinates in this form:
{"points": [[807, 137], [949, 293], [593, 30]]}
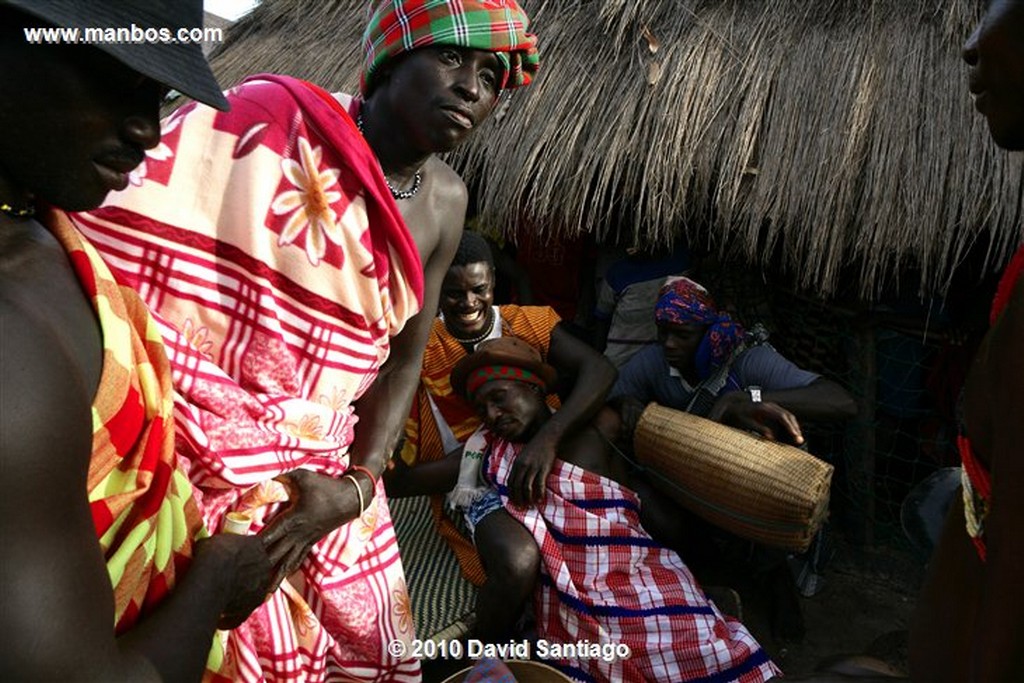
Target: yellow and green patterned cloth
{"points": [[142, 503]]}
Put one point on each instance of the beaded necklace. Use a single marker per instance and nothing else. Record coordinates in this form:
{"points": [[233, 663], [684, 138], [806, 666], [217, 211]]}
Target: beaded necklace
{"points": [[397, 194], [483, 335]]}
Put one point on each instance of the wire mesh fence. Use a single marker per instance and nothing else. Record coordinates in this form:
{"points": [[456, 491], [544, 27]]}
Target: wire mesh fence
{"points": [[903, 360]]}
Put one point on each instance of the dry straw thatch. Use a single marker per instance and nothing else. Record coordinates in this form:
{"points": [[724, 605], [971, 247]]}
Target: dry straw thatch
{"points": [[833, 137]]}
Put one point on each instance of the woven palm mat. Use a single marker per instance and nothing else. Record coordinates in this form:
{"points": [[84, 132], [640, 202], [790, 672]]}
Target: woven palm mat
{"points": [[442, 600]]}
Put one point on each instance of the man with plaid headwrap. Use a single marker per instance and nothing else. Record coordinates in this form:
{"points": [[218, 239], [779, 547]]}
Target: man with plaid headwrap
{"points": [[603, 579], [496, 26], [320, 231], [706, 364]]}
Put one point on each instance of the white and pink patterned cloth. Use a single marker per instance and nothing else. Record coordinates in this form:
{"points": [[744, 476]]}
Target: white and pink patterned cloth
{"points": [[267, 244], [605, 580]]}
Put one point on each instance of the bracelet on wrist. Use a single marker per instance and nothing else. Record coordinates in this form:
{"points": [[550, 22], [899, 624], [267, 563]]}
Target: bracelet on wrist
{"points": [[367, 472], [359, 492]]}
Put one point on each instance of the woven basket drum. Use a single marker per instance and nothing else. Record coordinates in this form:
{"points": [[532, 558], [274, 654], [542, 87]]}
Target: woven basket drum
{"points": [[760, 490]]}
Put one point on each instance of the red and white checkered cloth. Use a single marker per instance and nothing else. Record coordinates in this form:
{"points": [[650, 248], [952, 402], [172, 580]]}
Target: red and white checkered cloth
{"points": [[605, 580]]}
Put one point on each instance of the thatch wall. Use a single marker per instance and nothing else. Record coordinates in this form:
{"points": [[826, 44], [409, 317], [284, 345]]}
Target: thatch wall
{"points": [[831, 137]]}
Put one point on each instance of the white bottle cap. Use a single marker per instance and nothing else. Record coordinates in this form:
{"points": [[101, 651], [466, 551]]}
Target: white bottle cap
{"points": [[237, 523]]}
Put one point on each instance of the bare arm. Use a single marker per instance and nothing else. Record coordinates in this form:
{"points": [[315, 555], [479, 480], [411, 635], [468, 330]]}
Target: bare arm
{"points": [[58, 603], [777, 417], [593, 377], [425, 478], [321, 503], [383, 409], [822, 399]]}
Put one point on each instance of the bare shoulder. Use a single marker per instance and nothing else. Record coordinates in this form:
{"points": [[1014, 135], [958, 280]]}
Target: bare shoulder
{"points": [[435, 217], [452, 198], [53, 584], [449, 187], [45, 411], [447, 214], [50, 359]]}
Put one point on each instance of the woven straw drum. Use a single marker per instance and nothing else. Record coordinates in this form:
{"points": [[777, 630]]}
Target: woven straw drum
{"points": [[760, 490]]}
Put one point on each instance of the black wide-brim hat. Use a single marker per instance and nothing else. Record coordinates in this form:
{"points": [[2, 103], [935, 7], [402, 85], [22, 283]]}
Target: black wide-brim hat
{"points": [[178, 65], [510, 351]]}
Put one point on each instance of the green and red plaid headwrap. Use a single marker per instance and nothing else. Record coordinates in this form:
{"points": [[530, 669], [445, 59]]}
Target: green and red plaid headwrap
{"points": [[482, 375], [498, 26]]}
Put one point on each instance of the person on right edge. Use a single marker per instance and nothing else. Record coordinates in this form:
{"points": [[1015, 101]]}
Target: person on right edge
{"points": [[969, 622]]}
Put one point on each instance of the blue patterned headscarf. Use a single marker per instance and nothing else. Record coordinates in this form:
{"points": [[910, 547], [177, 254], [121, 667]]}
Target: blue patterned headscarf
{"points": [[682, 301]]}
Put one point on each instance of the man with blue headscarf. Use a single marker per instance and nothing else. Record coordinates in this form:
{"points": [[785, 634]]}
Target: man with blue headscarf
{"points": [[706, 364]]}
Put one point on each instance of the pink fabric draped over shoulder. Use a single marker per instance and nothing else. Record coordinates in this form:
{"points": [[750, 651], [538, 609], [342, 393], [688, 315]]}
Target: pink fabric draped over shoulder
{"points": [[278, 266]]}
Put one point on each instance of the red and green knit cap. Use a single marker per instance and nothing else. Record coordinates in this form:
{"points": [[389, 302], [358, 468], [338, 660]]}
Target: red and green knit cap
{"points": [[498, 26], [482, 375]]}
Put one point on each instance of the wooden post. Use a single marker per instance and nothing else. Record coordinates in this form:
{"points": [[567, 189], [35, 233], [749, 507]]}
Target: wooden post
{"points": [[861, 433]]}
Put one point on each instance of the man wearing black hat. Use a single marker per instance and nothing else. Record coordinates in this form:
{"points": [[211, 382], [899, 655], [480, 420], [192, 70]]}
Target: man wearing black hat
{"points": [[97, 518]]}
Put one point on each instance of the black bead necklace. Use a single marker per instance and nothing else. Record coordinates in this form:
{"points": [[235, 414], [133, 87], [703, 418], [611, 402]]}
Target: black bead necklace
{"points": [[397, 194]]}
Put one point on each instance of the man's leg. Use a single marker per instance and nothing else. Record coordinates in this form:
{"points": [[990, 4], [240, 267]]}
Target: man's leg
{"points": [[512, 561]]}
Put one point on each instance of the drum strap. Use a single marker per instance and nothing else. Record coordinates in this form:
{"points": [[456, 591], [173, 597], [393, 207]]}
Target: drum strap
{"points": [[706, 393]]}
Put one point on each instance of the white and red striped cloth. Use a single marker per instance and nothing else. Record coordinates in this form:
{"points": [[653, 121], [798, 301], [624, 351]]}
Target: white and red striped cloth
{"points": [[267, 244], [605, 580]]}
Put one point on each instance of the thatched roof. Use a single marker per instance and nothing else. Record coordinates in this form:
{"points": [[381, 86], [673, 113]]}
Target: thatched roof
{"points": [[211, 20], [826, 135]]}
